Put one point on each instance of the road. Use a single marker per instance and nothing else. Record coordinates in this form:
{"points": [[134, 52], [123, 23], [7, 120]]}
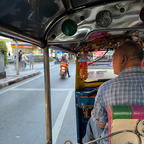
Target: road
{"points": [[22, 110]]}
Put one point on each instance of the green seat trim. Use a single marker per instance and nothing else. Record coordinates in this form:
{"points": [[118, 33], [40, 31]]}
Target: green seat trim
{"points": [[122, 112]]}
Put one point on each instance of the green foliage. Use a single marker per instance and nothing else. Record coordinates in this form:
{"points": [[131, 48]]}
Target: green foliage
{"points": [[3, 50]]}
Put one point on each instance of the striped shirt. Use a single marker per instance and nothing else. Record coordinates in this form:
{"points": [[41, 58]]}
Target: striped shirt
{"points": [[126, 89]]}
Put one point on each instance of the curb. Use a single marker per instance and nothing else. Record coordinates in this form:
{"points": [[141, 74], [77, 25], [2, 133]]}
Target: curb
{"points": [[18, 79]]}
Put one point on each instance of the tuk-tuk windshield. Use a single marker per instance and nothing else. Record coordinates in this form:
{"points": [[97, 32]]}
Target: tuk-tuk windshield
{"points": [[100, 66]]}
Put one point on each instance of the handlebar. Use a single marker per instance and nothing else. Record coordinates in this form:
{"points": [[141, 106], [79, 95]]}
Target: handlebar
{"points": [[115, 133]]}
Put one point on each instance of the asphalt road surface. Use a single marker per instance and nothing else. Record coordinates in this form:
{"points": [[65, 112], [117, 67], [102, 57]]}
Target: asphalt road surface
{"points": [[22, 109]]}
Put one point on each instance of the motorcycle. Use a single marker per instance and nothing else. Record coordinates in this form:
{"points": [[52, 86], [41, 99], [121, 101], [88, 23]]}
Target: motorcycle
{"points": [[63, 70]]}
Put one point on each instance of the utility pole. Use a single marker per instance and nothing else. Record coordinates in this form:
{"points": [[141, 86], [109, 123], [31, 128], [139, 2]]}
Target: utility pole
{"points": [[17, 58]]}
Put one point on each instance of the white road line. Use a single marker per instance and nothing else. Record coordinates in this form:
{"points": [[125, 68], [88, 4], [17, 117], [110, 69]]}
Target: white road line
{"points": [[20, 84], [27, 89], [58, 124], [40, 89], [27, 81]]}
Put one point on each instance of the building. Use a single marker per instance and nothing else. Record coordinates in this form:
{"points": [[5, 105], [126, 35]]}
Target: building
{"points": [[25, 47]]}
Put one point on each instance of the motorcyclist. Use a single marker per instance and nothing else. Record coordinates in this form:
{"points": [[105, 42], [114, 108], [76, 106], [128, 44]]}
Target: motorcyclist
{"points": [[65, 61]]}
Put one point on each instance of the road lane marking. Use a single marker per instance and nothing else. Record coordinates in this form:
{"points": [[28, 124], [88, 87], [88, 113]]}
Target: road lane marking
{"points": [[26, 81], [20, 84], [27, 89], [58, 124], [40, 89]]}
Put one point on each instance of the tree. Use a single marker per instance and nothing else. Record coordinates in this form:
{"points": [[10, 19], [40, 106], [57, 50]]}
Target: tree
{"points": [[3, 50]]}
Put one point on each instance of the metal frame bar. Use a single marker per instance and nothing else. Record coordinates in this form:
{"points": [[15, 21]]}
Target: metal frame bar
{"points": [[14, 34], [69, 5], [47, 96]]}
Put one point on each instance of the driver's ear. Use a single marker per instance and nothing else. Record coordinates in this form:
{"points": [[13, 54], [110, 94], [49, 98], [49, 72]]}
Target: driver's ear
{"points": [[124, 59]]}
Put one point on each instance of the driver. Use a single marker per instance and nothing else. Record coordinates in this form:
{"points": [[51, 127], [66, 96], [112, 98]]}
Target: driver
{"points": [[65, 60], [126, 89]]}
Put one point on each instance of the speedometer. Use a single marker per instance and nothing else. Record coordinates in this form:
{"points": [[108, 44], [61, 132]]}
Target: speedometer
{"points": [[104, 18]]}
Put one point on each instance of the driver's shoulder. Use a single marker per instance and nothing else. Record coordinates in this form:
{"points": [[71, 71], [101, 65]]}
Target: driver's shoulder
{"points": [[108, 83]]}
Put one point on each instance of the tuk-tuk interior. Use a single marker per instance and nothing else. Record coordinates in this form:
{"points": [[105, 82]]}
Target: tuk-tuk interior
{"points": [[79, 27], [86, 84]]}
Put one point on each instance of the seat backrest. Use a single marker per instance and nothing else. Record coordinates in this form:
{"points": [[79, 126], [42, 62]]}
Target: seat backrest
{"points": [[126, 118]]}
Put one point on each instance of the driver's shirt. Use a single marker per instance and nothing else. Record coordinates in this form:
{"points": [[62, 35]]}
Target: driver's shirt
{"points": [[126, 89]]}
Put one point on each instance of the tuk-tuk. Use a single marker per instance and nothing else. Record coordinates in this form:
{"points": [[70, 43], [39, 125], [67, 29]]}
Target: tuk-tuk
{"points": [[81, 27]]}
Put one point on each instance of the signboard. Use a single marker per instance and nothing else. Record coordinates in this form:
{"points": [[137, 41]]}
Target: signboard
{"points": [[98, 53], [24, 46], [60, 52]]}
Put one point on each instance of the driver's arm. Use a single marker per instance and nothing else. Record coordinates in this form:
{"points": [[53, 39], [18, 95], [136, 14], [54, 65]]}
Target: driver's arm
{"points": [[99, 113]]}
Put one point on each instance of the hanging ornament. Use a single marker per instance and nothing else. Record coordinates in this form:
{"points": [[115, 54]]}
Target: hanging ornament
{"points": [[83, 66]]}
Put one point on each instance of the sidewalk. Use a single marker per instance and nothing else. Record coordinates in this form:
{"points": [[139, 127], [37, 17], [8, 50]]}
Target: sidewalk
{"points": [[12, 78]]}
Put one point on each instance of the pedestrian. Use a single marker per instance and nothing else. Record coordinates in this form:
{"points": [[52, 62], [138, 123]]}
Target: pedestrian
{"points": [[15, 62], [20, 59], [24, 61], [31, 60]]}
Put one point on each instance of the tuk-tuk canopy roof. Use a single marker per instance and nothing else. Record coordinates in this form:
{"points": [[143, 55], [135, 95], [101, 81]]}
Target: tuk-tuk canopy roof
{"points": [[68, 24]]}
